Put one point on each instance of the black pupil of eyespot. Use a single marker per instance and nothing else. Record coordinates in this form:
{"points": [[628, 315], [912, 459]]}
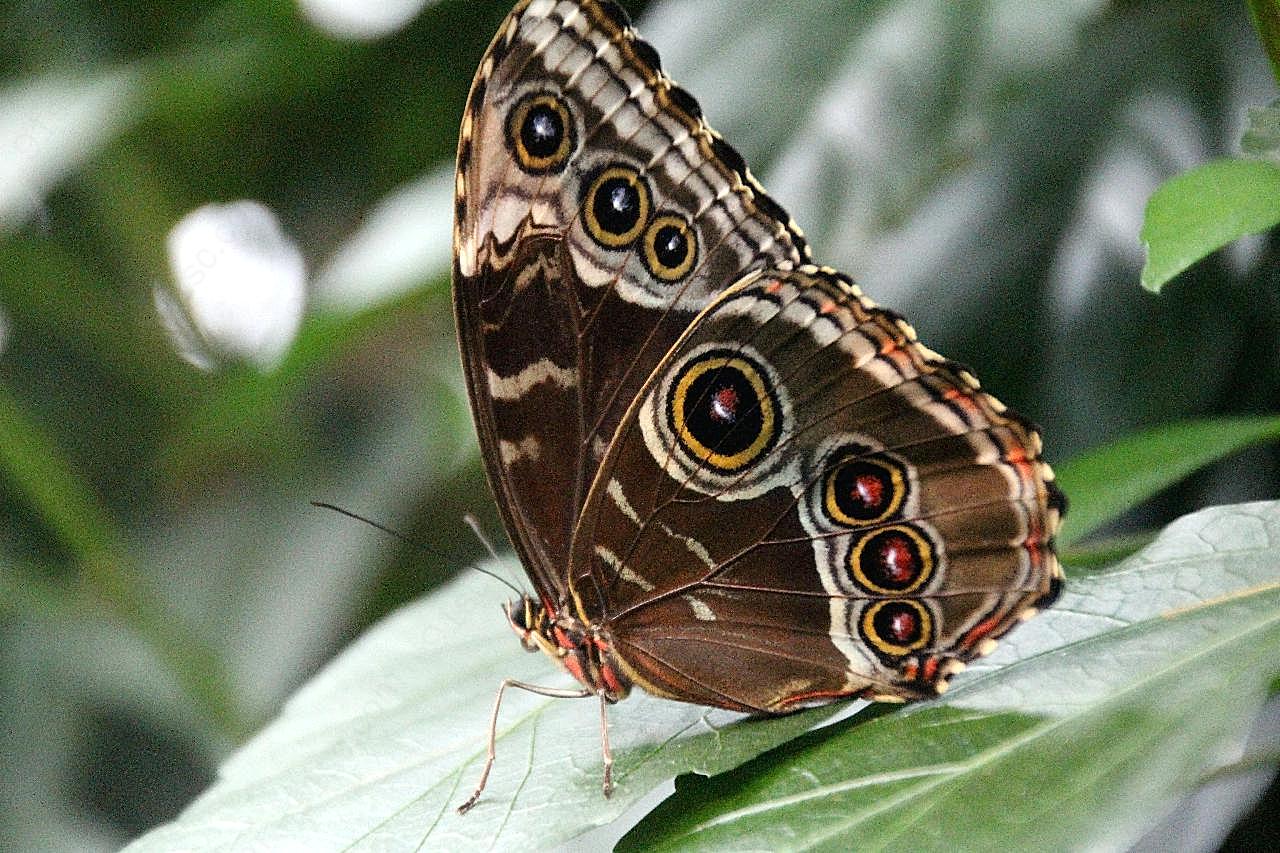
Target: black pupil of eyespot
{"points": [[862, 490], [891, 560], [543, 131], [898, 623], [670, 246], [723, 411], [617, 205]]}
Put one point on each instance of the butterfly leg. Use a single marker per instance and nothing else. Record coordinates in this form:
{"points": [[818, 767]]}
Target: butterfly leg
{"points": [[554, 693], [604, 745]]}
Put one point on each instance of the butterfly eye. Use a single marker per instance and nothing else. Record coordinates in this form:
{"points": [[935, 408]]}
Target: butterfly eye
{"points": [[864, 491], [723, 412], [893, 561], [896, 627], [616, 207], [670, 248], [541, 133]]}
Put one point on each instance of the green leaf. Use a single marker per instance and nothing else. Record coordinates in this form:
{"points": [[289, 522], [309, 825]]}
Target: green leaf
{"points": [[380, 748], [1123, 696], [1261, 139], [1104, 552], [1266, 18], [1105, 482], [1199, 212], [40, 473]]}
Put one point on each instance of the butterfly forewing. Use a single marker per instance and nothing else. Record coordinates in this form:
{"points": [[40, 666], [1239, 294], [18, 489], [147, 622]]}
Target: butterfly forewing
{"points": [[597, 214]]}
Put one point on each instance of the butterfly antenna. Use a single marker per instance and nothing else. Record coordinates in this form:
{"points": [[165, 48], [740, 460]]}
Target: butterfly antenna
{"points": [[409, 540], [474, 524]]}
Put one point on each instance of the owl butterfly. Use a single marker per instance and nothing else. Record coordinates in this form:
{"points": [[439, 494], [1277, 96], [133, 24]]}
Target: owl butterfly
{"points": [[732, 479]]}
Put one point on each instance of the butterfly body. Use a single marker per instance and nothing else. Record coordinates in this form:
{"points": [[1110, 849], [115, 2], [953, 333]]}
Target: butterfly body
{"points": [[581, 648], [732, 478]]}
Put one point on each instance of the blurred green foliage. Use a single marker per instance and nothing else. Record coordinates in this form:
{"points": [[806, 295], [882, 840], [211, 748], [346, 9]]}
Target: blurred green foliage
{"points": [[164, 583]]}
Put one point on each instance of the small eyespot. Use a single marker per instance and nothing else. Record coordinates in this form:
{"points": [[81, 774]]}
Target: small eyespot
{"points": [[723, 411], [616, 207], [670, 248], [862, 490], [541, 133], [896, 627], [892, 561]]}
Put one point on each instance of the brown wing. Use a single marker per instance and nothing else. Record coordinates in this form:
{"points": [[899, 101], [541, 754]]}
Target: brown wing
{"points": [[597, 213], [806, 503]]}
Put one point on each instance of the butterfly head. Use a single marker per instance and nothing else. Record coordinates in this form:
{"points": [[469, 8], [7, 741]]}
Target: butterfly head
{"points": [[530, 620], [582, 650]]}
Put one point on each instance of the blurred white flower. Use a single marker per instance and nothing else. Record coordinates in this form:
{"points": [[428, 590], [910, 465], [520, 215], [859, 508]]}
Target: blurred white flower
{"points": [[359, 19], [49, 126], [240, 285]]}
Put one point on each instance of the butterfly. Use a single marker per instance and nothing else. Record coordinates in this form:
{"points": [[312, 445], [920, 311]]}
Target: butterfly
{"points": [[731, 477]]}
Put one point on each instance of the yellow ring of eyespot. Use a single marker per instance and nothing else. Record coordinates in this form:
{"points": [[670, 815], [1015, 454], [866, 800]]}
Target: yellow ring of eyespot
{"points": [[699, 450], [888, 648], [832, 506], [655, 266], [922, 545], [597, 232], [516, 123]]}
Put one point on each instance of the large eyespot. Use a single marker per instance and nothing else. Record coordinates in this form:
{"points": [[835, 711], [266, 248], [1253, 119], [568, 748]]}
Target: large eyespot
{"points": [[723, 411], [541, 133], [863, 490], [896, 627], [892, 561], [670, 247], [616, 207]]}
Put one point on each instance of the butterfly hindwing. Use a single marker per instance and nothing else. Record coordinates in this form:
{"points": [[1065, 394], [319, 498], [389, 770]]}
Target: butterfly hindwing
{"points": [[804, 502]]}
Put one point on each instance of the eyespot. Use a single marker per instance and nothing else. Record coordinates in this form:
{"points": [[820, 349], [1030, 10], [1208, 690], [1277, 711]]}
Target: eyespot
{"points": [[862, 490], [723, 411], [670, 247], [896, 627], [541, 132], [893, 561], [616, 207]]}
